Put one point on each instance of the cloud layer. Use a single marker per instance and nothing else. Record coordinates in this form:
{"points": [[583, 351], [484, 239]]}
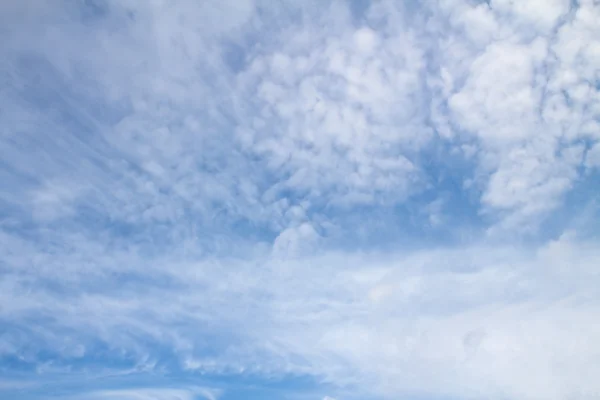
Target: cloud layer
{"points": [[374, 199]]}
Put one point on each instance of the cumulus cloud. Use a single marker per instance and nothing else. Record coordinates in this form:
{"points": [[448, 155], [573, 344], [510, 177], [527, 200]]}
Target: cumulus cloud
{"points": [[511, 98]]}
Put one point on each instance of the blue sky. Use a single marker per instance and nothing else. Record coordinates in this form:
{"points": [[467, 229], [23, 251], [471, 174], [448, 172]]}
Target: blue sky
{"points": [[329, 200]]}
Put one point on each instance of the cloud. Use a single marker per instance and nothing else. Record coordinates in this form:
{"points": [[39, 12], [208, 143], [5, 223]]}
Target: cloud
{"points": [[450, 322], [509, 100], [151, 394], [389, 200], [334, 113]]}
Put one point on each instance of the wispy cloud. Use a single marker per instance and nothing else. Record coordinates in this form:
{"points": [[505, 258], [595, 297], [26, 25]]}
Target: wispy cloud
{"points": [[150, 394]]}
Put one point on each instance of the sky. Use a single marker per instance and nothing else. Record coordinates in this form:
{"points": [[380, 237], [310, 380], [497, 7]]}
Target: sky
{"points": [[299, 199]]}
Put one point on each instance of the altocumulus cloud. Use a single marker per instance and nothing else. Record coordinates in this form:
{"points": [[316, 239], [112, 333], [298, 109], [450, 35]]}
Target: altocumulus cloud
{"points": [[302, 200]]}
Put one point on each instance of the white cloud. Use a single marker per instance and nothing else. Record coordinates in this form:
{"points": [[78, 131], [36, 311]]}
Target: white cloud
{"points": [[295, 241], [497, 101], [448, 322], [539, 14], [340, 121], [366, 40], [152, 394], [523, 98], [592, 157], [174, 194], [336, 114]]}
